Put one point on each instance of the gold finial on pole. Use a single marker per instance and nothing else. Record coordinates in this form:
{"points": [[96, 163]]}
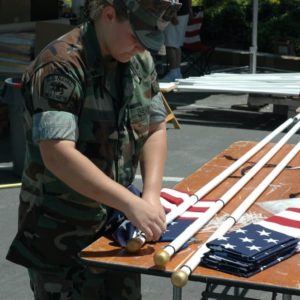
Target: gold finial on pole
{"points": [[161, 257], [135, 244], [179, 278]]}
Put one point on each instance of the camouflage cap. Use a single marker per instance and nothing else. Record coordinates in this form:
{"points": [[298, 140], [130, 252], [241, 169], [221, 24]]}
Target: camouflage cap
{"points": [[148, 19]]}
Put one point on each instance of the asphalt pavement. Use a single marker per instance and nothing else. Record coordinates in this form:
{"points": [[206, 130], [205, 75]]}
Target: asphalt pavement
{"points": [[209, 124]]}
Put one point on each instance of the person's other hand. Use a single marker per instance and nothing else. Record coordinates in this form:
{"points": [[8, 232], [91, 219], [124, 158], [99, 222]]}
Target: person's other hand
{"points": [[149, 217]]}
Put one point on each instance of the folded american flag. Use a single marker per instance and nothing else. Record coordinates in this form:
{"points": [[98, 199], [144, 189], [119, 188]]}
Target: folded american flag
{"points": [[118, 227], [122, 230], [255, 247]]}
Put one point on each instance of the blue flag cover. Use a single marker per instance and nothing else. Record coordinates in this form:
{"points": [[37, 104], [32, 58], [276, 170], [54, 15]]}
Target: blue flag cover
{"points": [[121, 230], [255, 247]]}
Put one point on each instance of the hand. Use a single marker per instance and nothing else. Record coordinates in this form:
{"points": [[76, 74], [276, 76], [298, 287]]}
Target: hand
{"points": [[148, 217]]}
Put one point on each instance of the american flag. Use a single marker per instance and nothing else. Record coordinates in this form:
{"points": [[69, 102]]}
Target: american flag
{"points": [[170, 199], [122, 230], [255, 247]]}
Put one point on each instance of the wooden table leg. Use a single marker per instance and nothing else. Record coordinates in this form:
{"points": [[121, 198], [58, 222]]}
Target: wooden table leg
{"points": [[170, 115]]}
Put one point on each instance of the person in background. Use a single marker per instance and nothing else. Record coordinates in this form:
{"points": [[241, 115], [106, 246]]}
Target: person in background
{"points": [[174, 38], [93, 111]]}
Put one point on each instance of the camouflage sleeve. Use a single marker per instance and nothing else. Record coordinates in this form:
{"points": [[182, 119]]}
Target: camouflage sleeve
{"points": [[57, 96], [147, 70], [157, 109], [52, 125]]}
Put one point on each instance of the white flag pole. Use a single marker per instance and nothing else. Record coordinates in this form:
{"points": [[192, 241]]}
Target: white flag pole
{"points": [[137, 242], [180, 277], [161, 257]]}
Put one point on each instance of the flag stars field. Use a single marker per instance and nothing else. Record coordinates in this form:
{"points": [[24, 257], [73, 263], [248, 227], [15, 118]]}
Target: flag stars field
{"points": [[223, 238], [271, 241], [246, 240], [264, 233], [124, 224], [254, 248], [228, 246]]}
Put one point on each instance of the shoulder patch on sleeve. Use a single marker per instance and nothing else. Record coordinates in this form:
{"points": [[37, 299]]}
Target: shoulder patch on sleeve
{"points": [[58, 87]]}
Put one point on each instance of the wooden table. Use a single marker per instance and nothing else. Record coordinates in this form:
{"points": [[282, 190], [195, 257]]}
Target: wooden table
{"points": [[282, 278]]}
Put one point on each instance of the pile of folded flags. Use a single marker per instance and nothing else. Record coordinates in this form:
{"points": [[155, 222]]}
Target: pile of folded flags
{"points": [[255, 247]]}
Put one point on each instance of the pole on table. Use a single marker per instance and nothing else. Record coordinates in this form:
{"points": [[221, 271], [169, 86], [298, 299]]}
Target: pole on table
{"points": [[161, 257], [180, 277], [136, 243]]}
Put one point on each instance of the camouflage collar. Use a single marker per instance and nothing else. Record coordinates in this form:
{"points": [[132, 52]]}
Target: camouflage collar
{"points": [[92, 49]]}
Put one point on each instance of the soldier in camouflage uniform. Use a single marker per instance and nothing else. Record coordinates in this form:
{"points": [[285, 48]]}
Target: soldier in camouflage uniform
{"points": [[93, 111]]}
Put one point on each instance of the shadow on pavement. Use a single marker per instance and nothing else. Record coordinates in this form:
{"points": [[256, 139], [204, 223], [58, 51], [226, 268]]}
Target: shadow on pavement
{"points": [[221, 110], [229, 118]]}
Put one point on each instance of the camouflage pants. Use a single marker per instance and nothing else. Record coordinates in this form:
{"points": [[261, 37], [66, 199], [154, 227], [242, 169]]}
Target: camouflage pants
{"points": [[82, 284]]}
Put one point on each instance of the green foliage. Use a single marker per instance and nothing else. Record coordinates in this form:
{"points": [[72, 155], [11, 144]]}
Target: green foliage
{"points": [[197, 2], [228, 23], [279, 23]]}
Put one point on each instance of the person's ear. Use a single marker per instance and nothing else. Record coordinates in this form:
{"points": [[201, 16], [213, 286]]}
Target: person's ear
{"points": [[109, 13]]}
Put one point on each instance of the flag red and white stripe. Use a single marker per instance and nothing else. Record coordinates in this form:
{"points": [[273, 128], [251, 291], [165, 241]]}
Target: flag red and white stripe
{"points": [[170, 199], [287, 222], [192, 34]]}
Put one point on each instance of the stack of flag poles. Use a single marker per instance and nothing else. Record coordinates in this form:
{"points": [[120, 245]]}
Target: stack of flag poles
{"points": [[179, 278], [161, 257], [282, 84], [134, 244]]}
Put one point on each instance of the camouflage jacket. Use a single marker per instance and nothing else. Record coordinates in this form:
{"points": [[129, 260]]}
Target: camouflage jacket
{"points": [[69, 94]]}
